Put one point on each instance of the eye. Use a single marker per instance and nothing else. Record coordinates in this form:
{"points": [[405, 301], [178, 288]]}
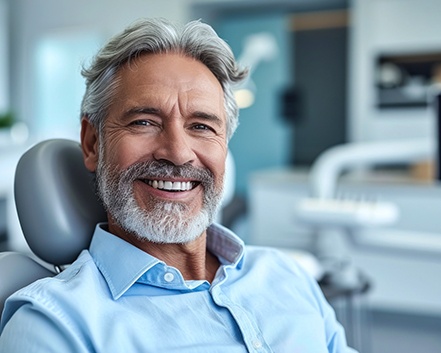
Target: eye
{"points": [[141, 123], [203, 127]]}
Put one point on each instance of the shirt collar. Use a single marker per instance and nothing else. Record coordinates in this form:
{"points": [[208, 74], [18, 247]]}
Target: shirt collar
{"points": [[226, 245], [122, 264]]}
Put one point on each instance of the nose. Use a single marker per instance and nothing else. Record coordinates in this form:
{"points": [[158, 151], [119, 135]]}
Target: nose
{"points": [[174, 146]]}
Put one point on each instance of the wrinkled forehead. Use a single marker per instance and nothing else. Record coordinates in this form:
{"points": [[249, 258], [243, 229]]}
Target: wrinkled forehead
{"points": [[164, 78]]}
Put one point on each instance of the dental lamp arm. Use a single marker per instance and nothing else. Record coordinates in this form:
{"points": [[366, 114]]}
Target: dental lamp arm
{"points": [[331, 163]]}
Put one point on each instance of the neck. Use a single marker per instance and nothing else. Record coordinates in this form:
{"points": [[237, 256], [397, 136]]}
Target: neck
{"points": [[192, 259]]}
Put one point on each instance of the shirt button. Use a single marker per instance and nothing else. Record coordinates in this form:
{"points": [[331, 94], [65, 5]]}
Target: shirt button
{"points": [[168, 277], [257, 344]]}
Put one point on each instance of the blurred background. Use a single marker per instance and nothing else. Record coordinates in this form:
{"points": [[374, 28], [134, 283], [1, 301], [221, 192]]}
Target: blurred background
{"points": [[341, 107]]}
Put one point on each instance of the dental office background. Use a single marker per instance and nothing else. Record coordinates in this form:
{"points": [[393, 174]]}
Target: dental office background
{"points": [[352, 83]]}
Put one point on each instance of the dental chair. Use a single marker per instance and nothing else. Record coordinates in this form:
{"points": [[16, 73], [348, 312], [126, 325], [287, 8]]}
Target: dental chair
{"points": [[58, 211]]}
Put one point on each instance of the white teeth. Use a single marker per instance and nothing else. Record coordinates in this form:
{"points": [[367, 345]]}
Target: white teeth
{"points": [[170, 185]]}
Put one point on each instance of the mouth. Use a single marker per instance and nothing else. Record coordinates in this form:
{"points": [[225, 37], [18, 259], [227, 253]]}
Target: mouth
{"points": [[173, 186]]}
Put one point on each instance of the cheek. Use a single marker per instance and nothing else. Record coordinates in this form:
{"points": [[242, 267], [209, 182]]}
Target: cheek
{"points": [[124, 153], [216, 164]]}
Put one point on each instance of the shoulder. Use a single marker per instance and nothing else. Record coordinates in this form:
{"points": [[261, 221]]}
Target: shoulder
{"points": [[55, 306], [283, 266], [270, 262], [294, 261], [76, 274], [47, 294]]}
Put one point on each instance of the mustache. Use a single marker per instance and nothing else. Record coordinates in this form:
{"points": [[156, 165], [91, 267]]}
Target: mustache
{"points": [[163, 169]]}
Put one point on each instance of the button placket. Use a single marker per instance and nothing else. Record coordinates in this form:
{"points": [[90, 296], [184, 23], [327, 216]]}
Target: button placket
{"points": [[257, 344], [250, 331]]}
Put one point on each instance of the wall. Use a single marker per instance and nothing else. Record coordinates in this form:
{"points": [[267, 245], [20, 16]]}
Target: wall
{"points": [[262, 139]]}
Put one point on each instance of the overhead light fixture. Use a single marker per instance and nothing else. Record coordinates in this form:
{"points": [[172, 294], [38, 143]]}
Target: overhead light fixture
{"points": [[258, 47], [245, 94], [244, 98]]}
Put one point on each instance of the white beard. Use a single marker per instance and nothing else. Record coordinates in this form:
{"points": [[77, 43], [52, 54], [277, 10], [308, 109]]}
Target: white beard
{"points": [[167, 222]]}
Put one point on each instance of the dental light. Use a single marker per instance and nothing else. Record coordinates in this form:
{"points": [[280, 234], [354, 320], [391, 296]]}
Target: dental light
{"points": [[258, 47]]}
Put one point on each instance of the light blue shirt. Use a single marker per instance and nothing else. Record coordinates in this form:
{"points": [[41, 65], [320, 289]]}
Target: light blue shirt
{"points": [[117, 298]]}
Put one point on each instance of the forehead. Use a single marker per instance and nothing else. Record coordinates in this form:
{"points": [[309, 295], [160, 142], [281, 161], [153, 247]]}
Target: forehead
{"points": [[168, 76]]}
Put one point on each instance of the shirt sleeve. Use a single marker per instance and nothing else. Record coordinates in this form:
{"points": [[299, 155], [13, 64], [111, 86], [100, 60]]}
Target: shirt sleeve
{"points": [[31, 328], [335, 333]]}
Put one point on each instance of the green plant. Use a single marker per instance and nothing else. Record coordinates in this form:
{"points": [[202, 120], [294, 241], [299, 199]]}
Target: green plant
{"points": [[6, 120]]}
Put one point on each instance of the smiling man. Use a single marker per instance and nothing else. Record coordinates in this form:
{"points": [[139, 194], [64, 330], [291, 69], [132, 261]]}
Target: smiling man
{"points": [[159, 276], [161, 162]]}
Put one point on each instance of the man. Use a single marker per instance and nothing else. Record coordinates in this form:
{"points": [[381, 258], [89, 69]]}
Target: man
{"points": [[157, 116]]}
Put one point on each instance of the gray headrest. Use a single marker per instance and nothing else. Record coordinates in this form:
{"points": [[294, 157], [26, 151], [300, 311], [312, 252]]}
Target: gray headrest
{"points": [[56, 202]]}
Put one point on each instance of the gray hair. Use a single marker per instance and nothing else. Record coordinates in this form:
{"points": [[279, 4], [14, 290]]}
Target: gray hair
{"points": [[156, 36]]}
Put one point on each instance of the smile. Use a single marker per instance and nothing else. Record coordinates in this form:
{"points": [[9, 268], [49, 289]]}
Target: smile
{"points": [[171, 185]]}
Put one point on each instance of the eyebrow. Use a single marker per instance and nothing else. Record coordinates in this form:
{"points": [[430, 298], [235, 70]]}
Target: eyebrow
{"points": [[141, 110], [154, 111], [210, 117]]}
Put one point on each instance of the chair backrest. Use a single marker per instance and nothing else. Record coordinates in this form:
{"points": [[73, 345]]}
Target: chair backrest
{"points": [[56, 201], [57, 208]]}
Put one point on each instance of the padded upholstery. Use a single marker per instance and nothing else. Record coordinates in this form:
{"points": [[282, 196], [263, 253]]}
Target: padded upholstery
{"points": [[58, 211], [56, 203]]}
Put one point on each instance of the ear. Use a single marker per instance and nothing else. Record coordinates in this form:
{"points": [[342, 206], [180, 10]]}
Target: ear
{"points": [[89, 144]]}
